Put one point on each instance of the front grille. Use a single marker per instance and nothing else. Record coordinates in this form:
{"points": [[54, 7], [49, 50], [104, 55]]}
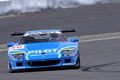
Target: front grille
{"points": [[19, 64], [43, 63], [67, 60]]}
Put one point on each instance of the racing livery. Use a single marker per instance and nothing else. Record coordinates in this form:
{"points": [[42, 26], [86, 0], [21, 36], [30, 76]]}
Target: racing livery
{"points": [[43, 48]]}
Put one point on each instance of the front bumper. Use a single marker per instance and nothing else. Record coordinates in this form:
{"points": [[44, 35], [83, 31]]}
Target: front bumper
{"points": [[43, 63]]}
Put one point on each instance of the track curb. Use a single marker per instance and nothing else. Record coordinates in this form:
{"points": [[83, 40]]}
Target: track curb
{"points": [[99, 37], [3, 47], [84, 38]]}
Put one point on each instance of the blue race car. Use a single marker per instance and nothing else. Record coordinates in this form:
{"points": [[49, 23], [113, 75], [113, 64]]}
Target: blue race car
{"points": [[42, 49]]}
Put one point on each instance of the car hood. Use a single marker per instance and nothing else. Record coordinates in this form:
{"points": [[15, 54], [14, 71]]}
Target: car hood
{"points": [[45, 50]]}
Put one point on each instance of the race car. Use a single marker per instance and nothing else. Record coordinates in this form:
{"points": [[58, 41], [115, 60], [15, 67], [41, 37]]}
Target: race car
{"points": [[42, 49]]}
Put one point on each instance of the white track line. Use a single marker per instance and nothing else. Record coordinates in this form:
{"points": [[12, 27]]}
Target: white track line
{"points": [[4, 50]]}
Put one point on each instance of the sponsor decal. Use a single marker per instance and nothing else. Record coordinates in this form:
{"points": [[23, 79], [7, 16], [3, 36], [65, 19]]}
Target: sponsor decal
{"points": [[18, 67], [68, 64], [38, 33], [17, 47], [41, 51]]}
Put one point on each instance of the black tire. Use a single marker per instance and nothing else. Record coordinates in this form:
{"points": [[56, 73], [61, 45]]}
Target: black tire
{"points": [[78, 64], [10, 69]]}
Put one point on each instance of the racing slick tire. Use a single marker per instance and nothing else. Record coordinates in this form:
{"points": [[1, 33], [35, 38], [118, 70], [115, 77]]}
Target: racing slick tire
{"points": [[10, 69], [78, 64]]}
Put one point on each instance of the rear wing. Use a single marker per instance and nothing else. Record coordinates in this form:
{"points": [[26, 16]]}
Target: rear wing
{"points": [[17, 33], [63, 30], [22, 33], [68, 30]]}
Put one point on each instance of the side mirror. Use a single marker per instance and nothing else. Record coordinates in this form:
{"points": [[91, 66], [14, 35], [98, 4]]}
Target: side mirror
{"points": [[74, 40], [9, 44]]}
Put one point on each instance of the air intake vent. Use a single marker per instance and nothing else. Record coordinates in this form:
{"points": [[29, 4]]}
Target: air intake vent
{"points": [[43, 63]]}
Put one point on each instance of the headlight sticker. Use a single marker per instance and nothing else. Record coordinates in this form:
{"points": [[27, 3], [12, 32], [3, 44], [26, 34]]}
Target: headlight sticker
{"points": [[17, 53], [66, 48], [18, 56], [68, 51]]}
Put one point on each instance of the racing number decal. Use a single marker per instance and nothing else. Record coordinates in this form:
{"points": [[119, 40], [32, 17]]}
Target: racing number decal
{"points": [[17, 47]]}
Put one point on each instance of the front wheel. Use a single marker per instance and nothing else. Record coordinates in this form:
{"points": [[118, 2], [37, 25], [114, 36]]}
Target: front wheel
{"points": [[10, 69], [78, 65]]}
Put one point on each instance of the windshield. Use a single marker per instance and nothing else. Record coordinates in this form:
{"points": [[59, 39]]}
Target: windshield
{"points": [[44, 37]]}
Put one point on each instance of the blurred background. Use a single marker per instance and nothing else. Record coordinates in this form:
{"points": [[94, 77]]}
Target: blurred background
{"points": [[10, 7]]}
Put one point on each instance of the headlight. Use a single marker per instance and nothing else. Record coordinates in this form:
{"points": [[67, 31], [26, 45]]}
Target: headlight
{"points": [[68, 52], [18, 56]]}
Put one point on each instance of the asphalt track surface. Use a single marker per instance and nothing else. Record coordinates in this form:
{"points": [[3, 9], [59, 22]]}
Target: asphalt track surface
{"points": [[100, 60], [87, 20]]}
